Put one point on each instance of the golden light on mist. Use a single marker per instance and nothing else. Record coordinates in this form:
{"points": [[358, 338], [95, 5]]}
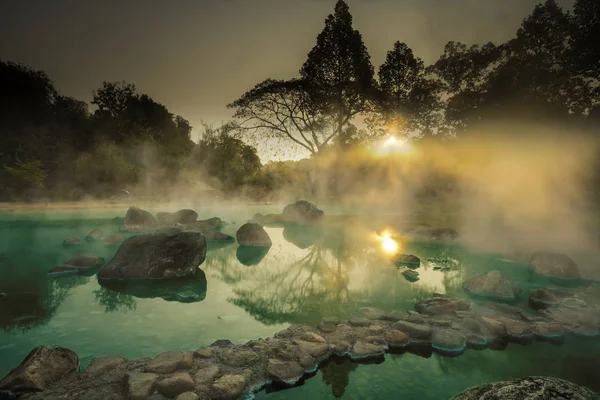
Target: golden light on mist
{"points": [[388, 244], [393, 145]]}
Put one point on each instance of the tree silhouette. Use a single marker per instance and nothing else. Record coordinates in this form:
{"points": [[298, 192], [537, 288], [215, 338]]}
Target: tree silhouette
{"points": [[409, 102]]}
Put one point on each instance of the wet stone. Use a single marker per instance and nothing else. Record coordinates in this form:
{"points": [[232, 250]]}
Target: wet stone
{"points": [[442, 305], [327, 327], [340, 347], [518, 330], [285, 371], [415, 331], [103, 364], [140, 385], [495, 327], [207, 374], [284, 334], [362, 350], [313, 349], [312, 337], [548, 330], [187, 396], [170, 361], [229, 386], [448, 341], [204, 352], [358, 321], [376, 329], [176, 384], [373, 313], [397, 338], [240, 358]]}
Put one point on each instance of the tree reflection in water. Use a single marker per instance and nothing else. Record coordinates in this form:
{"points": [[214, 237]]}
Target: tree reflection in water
{"points": [[336, 373], [113, 301]]}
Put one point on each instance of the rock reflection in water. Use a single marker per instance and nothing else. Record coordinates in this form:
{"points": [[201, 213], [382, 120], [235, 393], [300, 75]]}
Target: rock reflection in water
{"points": [[185, 290], [251, 255], [302, 236]]}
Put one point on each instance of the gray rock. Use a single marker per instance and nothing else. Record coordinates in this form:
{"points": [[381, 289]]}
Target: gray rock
{"points": [[397, 338], [114, 239], [447, 341], [301, 211], [410, 275], [178, 217], [327, 327], [43, 366], [84, 262], [313, 349], [157, 256], [442, 305], [140, 385], [492, 285], [94, 234], [358, 321], [519, 331], [187, 396], [251, 234], [312, 337], [288, 372], [362, 350], [170, 361], [207, 374], [175, 384], [554, 265], [204, 352], [103, 363], [284, 334], [531, 388], [137, 219], [548, 330], [71, 241], [373, 313], [239, 357], [414, 331], [229, 386]]}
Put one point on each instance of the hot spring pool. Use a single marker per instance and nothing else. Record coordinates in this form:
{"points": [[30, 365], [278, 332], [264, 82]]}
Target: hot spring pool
{"points": [[303, 277]]}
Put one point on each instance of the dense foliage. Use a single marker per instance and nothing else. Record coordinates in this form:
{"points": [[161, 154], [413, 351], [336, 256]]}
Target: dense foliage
{"points": [[53, 146]]}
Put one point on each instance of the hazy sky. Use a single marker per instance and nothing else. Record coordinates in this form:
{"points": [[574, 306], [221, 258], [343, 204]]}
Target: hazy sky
{"points": [[195, 56]]}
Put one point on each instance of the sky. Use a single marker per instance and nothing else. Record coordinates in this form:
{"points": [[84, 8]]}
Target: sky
{"points": [[196, 56]]}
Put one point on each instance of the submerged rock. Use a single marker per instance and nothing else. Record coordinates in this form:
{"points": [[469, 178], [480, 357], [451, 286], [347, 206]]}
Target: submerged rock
{"points": [[407, 260], [531, 388], [61, 270], [545, 298], [251, 234], [447, 341], [71, 241], [301, 211], [94, 234], [410, 275], [114, 239], [492, 285], [43, 366], [182, 217], [442, 305], [137, 219], [85, 262], [554, 265], [581, 321], [157, 256]]}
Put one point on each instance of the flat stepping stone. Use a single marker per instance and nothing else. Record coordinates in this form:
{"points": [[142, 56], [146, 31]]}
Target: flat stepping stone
{"points": [[447, 341], [313, 349], [140, 385], [229, 386], [442, 305], [288, 372], [414, 331], [396, 338], [207, 374], [171, 361], [358, 321], [362, 350], [312, 337], [176, 384], [492, 285]]}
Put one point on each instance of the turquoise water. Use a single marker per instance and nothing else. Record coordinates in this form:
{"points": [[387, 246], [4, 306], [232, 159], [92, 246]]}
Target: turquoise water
{"points": [[307, 274]]}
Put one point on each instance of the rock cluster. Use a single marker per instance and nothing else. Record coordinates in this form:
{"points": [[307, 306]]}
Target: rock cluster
{"points": [[442, 324]]}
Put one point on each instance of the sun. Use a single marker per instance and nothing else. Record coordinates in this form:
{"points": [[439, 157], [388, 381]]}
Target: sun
{"points": [[388, 244]]}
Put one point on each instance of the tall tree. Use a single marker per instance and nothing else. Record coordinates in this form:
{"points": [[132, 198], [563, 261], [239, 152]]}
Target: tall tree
{"points": [[339, 70], [409, 102]]}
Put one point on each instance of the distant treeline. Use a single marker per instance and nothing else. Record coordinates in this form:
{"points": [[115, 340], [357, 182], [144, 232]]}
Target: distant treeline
{"points": [[52, 146]]}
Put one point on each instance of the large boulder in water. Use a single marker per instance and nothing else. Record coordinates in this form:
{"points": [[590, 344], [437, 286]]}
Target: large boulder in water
{"points": [[531, 388], [206, 224], [251, 234], [137, 219], [185, 216], [553, 265], [157, 256], [301, 211], [42, 367], [492, 285]]}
